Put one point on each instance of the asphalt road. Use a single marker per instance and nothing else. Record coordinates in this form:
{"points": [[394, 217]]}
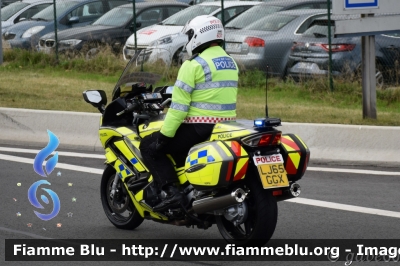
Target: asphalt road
{"points": [[329, 207]]}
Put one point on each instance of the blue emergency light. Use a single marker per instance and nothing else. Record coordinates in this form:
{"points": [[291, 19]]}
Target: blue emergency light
{"points": [[267, 122]]}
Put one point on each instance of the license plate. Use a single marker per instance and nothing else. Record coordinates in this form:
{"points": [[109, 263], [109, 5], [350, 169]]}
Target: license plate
{"points": [[271, 170], [306, 66], [45, 50], [130, 52], [233, 47], [5, 44]]}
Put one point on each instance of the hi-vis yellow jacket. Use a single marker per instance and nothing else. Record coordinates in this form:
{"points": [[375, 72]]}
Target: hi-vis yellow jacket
{"points": [[205, 91]]}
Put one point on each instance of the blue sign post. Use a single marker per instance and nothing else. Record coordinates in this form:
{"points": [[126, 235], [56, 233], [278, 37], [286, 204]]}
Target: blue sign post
{"points": [[352, 4]]}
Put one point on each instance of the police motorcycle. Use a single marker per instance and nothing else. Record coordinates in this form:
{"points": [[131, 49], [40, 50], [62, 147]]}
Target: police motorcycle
{"points": [[233, 180]]}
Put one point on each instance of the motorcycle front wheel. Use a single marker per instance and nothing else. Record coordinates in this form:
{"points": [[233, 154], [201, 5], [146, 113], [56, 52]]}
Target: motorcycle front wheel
{"points": [[262, 216], [119, 209]]}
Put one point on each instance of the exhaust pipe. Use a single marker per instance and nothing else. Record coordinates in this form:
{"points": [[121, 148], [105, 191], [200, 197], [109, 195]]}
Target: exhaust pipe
{"points": [[211, 204], [291, 192]]}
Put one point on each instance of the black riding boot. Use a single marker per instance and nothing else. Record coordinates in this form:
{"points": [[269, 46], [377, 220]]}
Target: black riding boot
{"points": [[172, 197]]}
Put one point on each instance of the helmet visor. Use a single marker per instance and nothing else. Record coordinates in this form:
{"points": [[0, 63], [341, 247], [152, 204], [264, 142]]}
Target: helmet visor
{"points": [[186, 27]]}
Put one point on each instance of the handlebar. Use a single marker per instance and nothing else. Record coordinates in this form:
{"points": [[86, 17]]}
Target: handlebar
{"points": [[130, 108], [150, 103], [167, 101]]}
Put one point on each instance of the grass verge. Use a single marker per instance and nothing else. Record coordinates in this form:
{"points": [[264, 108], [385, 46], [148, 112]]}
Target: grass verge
{"points": [[38, 81]]}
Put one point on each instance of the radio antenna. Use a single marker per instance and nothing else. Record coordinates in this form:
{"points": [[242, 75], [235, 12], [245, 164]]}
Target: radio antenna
{"points": [[266, 93]]}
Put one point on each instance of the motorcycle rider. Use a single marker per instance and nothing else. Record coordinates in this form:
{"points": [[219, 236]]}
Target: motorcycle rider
{"points": [[204, 94]]}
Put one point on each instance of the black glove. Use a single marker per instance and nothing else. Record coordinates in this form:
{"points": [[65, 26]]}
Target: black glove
{"points": [[160, 143]]}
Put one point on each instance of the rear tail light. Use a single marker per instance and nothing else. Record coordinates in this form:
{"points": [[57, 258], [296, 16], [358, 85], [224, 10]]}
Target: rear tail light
{"points": [[254, 42], [342, 47], [262, 140]]}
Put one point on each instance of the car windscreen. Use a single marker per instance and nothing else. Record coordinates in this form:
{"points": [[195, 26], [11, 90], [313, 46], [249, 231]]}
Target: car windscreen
{"points": [[48, 13], [273, 22], [180, 18], [116, 17], [251, 15], [319, 29], [8, 11]]}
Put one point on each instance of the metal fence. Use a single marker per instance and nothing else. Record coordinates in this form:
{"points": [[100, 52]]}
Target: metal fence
{"points": [[293, 38]]}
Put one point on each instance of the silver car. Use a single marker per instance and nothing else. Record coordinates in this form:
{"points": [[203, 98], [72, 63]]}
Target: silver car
{"points": [[21, 10], [267, 42]]}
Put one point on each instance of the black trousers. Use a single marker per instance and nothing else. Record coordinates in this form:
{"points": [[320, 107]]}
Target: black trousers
{"points": [[178, 147]]}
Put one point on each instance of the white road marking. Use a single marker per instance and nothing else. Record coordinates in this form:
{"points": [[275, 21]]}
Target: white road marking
{"points": [[23, 233], [344, 207], [60, 153], [59, 165], [317, 169], [318, 203], [353, 171]]}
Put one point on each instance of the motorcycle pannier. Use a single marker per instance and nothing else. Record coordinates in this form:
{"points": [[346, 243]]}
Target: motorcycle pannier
{"points": [[216, 164], [296, 156]]}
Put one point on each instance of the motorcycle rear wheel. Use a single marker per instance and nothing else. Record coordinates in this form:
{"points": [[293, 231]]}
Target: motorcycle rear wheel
{"points": [[121, 211], [261, 221]]}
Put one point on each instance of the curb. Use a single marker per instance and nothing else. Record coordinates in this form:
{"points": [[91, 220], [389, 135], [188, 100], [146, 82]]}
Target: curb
{"points": [[27, 127], [327, 142]]}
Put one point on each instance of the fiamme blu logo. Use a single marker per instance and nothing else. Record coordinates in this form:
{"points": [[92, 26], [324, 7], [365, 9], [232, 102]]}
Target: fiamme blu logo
{"points": [[45, 171]]}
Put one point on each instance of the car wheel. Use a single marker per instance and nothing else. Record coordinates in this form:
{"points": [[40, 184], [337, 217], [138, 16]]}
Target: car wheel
{"points": [[176, 57], [91, 50], [380, 81], [69, 54], [92, 53]]}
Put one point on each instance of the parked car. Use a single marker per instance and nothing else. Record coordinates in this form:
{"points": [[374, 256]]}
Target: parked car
{"points": [[309, 55], [165, 40], [7, 2], [113, 28], [21, 10], [267, 42], [258, 12], [195, 2], [74, 13]]}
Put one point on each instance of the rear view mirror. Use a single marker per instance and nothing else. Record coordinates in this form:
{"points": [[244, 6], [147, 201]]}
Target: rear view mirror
{"points": [[73, 20], [131, 26], [97, 98], [169, 90]]}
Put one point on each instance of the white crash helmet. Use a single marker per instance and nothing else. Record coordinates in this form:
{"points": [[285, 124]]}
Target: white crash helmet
{"points": [[202, 30]]}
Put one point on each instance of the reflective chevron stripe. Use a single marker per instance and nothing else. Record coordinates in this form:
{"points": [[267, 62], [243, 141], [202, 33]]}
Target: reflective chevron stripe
{"points": [[179, 107], [206, 68], [216, 84], [184, 86], [214, 107]]}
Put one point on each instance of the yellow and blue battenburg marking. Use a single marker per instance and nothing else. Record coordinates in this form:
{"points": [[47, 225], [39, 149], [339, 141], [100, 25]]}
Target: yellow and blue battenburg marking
{"points": [[200, 157], [123, 172]]}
